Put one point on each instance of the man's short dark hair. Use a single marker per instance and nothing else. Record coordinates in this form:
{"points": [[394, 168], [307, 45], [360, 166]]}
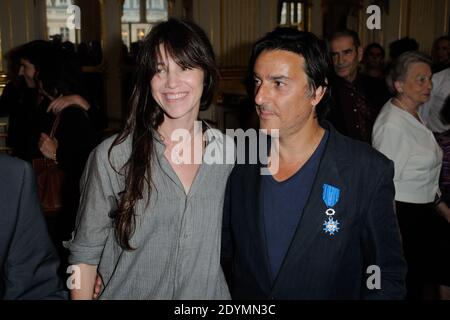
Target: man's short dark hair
{"points": [[346, 33], [370, 47], [313, 50]]}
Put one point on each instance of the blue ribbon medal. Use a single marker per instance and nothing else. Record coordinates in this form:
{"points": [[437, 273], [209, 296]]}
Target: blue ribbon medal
{"points": [[330, 197]]}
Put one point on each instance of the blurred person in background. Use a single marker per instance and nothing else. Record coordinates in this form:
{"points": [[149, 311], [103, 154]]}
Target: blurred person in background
{"points": [[401, 135]]}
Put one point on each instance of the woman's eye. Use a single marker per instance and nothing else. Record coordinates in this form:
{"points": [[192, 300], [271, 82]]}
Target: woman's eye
{"points": [[423, 79]]}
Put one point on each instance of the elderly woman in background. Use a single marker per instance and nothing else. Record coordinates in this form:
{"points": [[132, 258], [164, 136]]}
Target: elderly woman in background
{"points": [[400, 134]]}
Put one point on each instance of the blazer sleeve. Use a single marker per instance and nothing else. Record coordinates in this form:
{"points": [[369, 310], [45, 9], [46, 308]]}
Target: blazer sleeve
{"points": [[31, 266], [381, 241]]}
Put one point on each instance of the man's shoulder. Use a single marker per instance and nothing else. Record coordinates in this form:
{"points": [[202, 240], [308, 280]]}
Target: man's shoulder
{"points": [[360, 154], [12, 168], [14, 174]]}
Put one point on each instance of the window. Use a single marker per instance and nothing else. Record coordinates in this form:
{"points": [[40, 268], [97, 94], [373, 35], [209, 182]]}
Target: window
{"points": [[156, 10], [130, 12], [140, 34], [64, 32], [292, 14], [133, 28], [57, 21], [156, 4]]}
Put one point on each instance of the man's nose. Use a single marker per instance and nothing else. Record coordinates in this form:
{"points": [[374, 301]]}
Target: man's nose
{"points": [[261, 95], [339, 59]]}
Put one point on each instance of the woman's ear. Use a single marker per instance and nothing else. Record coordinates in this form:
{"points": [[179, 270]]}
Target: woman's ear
{"points": [[398, 85]]}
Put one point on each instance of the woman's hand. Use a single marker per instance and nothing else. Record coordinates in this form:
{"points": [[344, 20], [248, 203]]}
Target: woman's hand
{"points": [[62, 102], [48, 146], [97, 287], [87, 278]]}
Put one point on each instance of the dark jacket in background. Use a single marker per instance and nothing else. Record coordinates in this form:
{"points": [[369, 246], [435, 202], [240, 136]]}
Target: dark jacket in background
{"points": [[355, 105], [28, 260]]}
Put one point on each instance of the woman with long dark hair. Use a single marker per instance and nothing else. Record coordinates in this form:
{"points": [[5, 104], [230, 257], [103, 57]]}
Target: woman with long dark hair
{"points": [[150, 224]]}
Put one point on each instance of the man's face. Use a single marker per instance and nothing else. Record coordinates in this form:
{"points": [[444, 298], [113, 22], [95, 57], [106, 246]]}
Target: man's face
{"points": [[346, 57], [281, 92], [375, 58], [28, 71], [443, 51]]}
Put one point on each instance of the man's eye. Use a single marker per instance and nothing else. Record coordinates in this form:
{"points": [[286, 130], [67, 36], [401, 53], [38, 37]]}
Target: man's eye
{"points": [[279, 83], [257, 82]]}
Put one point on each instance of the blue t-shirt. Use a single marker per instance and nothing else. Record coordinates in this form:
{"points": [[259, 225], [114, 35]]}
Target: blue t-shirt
{"points": [[283, 204]]}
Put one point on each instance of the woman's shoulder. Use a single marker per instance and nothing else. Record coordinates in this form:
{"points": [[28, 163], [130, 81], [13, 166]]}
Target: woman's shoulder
{"points": [[114, 149], [390, 116]]}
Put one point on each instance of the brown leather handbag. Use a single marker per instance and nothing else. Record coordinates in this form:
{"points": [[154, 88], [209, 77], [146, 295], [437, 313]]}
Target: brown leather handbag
{"points": [[49, 180]]}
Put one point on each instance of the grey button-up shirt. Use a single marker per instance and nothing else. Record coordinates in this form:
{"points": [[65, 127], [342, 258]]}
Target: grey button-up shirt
{"points": [[177, 237]]}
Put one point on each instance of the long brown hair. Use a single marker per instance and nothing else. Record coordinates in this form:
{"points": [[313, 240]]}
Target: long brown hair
{"points": [[189, 47]]}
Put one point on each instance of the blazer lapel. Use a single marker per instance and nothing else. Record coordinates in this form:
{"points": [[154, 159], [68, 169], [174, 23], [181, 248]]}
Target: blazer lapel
{"points": [[311, 223], [256, 223]]}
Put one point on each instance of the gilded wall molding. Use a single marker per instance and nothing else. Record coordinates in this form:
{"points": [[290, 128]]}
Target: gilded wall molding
{"points": [[447, 16], [27, 21], [1, 51]]}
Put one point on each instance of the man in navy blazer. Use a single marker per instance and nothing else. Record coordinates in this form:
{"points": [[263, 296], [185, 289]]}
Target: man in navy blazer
{"points": [[321, 225], [28, 260]]}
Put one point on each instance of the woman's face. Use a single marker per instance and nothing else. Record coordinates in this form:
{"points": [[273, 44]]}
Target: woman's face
{"points": [[28, 71], [177, 90], [417, 84]]}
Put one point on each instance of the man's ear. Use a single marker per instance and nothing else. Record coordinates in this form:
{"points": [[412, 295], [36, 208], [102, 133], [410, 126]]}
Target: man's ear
{"points": [[318, 95], [360, 53]]}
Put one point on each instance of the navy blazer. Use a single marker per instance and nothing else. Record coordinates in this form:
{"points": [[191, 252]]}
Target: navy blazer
{"points": [[318, 265], [28, 259]]}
